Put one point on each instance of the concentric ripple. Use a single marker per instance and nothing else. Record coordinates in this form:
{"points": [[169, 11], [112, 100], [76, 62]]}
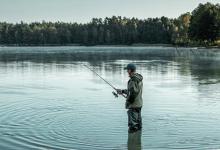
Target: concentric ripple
{"points": [[23, 125]]}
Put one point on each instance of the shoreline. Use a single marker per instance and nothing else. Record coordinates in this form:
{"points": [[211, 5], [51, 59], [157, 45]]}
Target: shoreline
{"points": [[113, 45]]}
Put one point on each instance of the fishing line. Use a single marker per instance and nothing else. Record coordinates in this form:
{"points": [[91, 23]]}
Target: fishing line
{"points": [[115, 94]]}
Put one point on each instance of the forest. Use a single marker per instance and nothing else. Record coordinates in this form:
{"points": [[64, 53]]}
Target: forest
{"points": [[201, 27]]}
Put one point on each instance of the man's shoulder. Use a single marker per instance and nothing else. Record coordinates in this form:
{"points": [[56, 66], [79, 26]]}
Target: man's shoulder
{"points": [[137, 77]]}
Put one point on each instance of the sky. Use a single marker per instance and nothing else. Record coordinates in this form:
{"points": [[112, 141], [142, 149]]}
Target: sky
{"points": [[83, 11]]}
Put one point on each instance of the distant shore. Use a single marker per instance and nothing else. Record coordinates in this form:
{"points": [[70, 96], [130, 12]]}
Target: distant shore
{"points": [[130, 45]]}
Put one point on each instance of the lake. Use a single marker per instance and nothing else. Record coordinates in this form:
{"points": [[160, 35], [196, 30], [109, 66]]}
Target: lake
{"points": [[49, 100]]}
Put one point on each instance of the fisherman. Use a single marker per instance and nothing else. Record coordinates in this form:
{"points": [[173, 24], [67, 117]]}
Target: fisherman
{"points": [[134, 100]]}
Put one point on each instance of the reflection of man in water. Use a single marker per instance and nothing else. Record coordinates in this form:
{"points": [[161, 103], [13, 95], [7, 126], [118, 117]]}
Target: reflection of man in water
{"points": [[134, 141], [134, 98]]}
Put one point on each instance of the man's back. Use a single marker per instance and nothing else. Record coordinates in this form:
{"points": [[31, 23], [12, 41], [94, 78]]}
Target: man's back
{"points": [[135, 86]]}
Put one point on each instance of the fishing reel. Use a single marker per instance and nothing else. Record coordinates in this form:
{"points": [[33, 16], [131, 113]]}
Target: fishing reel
{"points": [[115, 94]]}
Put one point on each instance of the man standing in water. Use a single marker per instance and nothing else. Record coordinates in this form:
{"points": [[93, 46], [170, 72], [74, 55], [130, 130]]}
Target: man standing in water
{"points": [[134, 100]]}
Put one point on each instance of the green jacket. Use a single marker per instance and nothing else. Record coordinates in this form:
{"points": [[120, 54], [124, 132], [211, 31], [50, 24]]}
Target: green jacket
{"points": [[134, 92]]}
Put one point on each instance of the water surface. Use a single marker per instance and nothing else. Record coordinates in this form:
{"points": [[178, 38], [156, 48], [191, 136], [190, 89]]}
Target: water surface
{"points": [[49, 100]]}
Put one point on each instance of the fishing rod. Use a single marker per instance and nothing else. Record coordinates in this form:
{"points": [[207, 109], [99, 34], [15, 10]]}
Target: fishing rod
{"points": [[115, 94]]}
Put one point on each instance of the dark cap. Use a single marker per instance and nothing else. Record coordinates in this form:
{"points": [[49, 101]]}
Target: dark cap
{"points": [[131, 67]]}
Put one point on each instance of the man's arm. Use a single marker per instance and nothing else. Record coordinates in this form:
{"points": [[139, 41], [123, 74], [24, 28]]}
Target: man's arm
{"points": [[125, 91], [122, 91], [133, 91]]}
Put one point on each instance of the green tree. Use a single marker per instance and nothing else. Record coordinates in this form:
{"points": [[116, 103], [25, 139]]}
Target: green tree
{"points": [[205, 23]]}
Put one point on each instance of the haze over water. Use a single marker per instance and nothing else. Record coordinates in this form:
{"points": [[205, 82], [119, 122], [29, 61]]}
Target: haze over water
{"points": [[49, 100]]}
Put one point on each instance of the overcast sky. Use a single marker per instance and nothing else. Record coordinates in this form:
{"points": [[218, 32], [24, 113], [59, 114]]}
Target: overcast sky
{"points": [[84, 10]]}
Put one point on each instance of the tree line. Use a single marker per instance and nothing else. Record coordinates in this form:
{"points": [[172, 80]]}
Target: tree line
{"points": [[201, 27]]}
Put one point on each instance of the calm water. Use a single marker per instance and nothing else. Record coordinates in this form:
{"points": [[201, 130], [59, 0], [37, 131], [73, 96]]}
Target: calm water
{"points": [[48, 100]]}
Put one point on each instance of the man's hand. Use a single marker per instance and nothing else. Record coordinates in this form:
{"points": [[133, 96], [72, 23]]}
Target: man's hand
{"points": [[119, 91]]}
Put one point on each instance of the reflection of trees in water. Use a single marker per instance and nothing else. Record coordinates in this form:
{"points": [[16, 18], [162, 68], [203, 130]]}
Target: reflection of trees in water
{"points": [[199, 68], [199, 63], [206, 70], [207, 73]]}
